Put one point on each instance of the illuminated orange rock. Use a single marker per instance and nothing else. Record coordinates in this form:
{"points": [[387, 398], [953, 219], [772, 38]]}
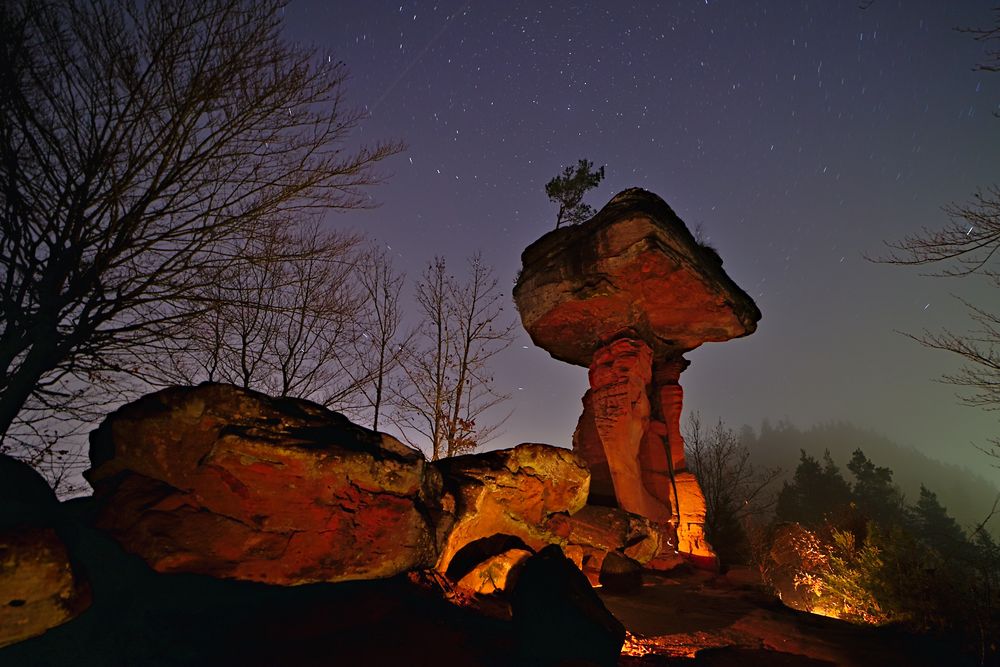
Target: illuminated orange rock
{"points": [[224, 481], [494, 573], [597, 531], [626, 294], [525, 492], [39, 586], [633, 267]]}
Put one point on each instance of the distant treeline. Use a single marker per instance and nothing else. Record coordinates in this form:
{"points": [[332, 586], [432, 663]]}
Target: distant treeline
{"points": [[967, 496]]}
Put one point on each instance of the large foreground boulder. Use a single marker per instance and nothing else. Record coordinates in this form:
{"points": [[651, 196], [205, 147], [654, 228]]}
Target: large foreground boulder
{"points": [[225, 481], [558, 618]]}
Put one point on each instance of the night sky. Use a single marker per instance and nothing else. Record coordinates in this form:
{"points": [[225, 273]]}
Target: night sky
{"points": [[800, 135]]}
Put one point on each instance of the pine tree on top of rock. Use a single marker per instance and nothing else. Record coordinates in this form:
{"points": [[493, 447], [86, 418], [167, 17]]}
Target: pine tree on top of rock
{"points": [[568, 189]]}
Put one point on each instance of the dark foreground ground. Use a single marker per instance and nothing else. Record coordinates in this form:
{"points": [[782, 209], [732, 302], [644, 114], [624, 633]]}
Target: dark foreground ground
{"points": [[139, 618]]}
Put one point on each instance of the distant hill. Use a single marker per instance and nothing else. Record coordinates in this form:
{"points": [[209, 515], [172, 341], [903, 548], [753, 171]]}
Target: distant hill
{"points": [[967, 496]]}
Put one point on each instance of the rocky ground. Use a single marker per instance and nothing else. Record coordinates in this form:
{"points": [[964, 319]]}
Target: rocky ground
{"points": [[692, 617]]}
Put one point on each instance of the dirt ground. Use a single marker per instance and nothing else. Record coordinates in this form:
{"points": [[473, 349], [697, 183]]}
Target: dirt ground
{"points": [[700, 618]]}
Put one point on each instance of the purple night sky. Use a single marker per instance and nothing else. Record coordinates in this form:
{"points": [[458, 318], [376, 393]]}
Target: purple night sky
{"points": [[800, 135]]}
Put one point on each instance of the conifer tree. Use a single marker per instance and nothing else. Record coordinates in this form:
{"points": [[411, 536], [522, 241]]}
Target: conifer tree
{"points": [[568, 189]]}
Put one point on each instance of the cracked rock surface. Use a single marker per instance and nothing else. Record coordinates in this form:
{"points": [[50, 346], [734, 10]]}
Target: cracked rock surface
{"points": [[224, 481]]}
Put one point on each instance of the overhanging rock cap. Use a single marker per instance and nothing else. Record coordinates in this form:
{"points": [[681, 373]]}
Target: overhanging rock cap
{"points": [[632, 270]]}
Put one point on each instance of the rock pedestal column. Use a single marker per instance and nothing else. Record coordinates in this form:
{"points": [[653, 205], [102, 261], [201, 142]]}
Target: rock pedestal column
{"points": [[630, 436], [620, 376], [687, 499]]}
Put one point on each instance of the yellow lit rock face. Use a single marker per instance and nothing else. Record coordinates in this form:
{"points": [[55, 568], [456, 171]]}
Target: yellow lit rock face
{"points": [[691, 520], [495, 573], [526, 492], [38, 589]]}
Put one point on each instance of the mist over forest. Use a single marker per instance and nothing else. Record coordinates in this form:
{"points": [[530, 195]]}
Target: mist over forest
{"points": [[967, 495]]}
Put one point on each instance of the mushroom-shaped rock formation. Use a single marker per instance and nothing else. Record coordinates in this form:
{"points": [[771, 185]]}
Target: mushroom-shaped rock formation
{"points": [[626, 294]]}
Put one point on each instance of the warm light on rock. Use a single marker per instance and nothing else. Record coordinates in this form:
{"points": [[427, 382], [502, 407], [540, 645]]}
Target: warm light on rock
{"points": [[38, 587], [626, 294], [224, 481], [525, 492]]}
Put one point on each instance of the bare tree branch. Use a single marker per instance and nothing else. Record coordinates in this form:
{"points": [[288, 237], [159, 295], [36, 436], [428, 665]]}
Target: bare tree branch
{"points": [[143, 148], [448, 385]]}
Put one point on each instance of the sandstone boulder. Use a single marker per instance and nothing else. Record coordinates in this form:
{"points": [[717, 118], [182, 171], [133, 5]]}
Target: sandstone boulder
{"points": [[496, 573], [598, 531], [620, 574], [225, 481], [524, 493], [40, 588], [633, 267]]}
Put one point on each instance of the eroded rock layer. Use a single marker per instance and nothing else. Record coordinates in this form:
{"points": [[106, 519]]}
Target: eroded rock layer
{"points": [[224, 481], [525, 494]]}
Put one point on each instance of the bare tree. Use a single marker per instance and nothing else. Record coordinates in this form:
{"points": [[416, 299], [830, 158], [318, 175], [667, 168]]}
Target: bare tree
{"points": [[380, 343], [282, 327], [449, 385], [989, 36], [735, 491], [142, 147]]}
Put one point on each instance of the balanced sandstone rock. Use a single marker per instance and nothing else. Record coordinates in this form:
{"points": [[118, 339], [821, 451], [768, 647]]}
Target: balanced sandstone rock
{"points": [[626, 294], [224, 481]]}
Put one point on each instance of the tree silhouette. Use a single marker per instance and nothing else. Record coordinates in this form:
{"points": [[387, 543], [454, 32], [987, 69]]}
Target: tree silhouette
{"points": [[815, 493], [448, 384], [568, 189], [142, 145], [735, 490], [873, 491]]}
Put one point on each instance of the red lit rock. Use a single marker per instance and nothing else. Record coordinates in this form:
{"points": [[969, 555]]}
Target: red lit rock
{"points": [[626, 294], [633, 267], [525, 492], [597, 531], [224, 481]]}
